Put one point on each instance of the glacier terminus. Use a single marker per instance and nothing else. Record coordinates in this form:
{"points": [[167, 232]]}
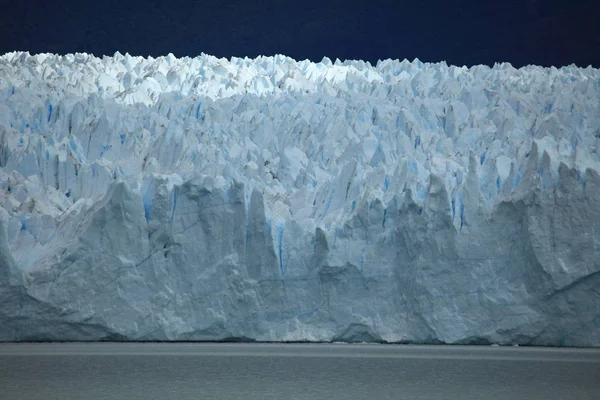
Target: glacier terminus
{"points": [[278, 200]]}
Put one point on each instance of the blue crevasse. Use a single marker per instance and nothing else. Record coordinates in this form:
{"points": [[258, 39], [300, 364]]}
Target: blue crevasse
{"points": [[279, 238]]}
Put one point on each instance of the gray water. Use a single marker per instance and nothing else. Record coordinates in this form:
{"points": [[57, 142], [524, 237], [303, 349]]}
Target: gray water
{"points": [[294, 371]]}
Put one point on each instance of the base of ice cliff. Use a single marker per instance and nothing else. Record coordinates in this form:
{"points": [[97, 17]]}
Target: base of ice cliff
{"points": [[277, 200]]}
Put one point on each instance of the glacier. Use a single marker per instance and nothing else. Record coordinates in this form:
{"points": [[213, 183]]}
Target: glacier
{"points": [[271, 199]]}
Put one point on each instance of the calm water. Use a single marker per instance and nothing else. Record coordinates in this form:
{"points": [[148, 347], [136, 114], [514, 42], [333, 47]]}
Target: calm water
{"points": [[274, 371]]}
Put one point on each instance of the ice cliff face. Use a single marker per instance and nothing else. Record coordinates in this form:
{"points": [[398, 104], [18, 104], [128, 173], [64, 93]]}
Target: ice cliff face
{"points": [[270, 199]]}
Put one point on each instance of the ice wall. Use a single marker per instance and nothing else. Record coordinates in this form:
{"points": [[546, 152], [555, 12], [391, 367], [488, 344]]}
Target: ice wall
{"points": [[271, 199]]}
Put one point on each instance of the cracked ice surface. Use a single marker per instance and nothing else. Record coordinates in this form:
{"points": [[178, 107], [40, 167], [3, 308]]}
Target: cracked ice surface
{"points": [[271, 199]]}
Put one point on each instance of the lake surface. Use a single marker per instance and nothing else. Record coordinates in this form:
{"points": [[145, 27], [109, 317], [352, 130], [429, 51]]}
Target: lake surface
{"points": [[294, 371]]}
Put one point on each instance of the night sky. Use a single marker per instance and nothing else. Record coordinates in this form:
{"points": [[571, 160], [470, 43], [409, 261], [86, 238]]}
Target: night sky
{"points": [[543, 32]]}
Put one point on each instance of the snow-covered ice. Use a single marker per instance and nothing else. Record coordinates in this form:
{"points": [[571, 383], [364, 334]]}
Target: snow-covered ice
{"points": [[274, 199]]}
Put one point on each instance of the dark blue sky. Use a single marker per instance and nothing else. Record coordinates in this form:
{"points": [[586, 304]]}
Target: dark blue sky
{"points": [[544, 32]]}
